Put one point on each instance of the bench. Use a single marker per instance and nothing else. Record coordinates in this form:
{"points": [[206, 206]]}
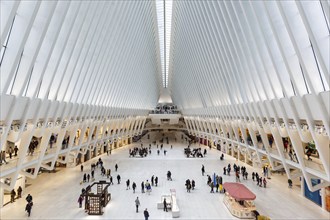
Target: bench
{"points": [[175, 208]]}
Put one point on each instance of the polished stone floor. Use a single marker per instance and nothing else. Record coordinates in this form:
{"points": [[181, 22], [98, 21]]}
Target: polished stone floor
{"points": [[55, 195]]}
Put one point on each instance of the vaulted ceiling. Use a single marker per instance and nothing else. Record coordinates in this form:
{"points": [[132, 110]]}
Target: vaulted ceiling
{"points": [[107, 53]]}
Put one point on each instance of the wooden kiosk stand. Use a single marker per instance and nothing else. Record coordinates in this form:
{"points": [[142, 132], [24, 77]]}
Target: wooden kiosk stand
{"points": [[95, 202], [239, 200]]}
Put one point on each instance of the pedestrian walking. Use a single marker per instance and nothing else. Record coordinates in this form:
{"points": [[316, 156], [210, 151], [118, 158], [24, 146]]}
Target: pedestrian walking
{"points": [[111, 180], [156, 181], [169, 175], [134, 187], [127, 184], [88, 177], [148, 187], [142, 187], [237, 177], [146, 214], [265, 182], [12, 196], [28, 208], [118, 178], [15, 150], [80, 200], [212, 187], [193, 184], [81, 168], [203, 170], [152, 180], [10, 151], [19, 192], [137, 204], [116, 167], [165, 205]]}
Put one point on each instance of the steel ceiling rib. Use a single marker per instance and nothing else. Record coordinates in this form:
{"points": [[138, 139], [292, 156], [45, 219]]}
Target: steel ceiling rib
{"points": [[76, 54], [45, 53], [86, 21], [65, 53], [51, 68], [122, 77], [215, 53], [100, 73], [97, 49], [16, 42], [8, 13], [99, 34], [33, 47], [93, 24]]}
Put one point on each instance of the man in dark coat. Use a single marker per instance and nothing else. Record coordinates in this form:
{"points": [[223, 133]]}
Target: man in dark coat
{"points": [[19, 192], [146, 214], [165, 205], [28, 208], [12, 196], [156, 181]]}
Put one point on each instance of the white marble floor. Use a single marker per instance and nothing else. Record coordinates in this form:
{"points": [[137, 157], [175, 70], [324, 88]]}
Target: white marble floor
{"points": [[55, 195]]}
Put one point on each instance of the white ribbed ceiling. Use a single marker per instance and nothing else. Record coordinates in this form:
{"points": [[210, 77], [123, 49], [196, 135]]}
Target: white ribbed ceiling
{"points": [[87, 52], [240, 51], [108, 53]]}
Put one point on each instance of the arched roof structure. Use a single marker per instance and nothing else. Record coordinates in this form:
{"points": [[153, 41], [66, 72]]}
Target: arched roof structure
{"points": [[237, 70]]}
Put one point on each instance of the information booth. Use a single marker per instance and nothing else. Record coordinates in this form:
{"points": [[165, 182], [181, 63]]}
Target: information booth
{"points": [[95, 201], [239, 200]]}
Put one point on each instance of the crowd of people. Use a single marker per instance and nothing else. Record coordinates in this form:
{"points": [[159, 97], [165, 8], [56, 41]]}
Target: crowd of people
{"points": [[142, 151], [215, 184], [195, 152]]}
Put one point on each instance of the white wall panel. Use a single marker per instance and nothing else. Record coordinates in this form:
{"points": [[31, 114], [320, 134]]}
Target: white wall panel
{"points": [[6, 102]]}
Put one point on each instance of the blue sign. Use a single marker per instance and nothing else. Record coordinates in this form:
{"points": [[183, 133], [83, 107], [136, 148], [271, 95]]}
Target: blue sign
{"points": [[314, 196]]}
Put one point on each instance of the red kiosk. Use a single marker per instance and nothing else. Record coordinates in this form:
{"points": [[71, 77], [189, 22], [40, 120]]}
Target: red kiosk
{"points": [[239, 200]]}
